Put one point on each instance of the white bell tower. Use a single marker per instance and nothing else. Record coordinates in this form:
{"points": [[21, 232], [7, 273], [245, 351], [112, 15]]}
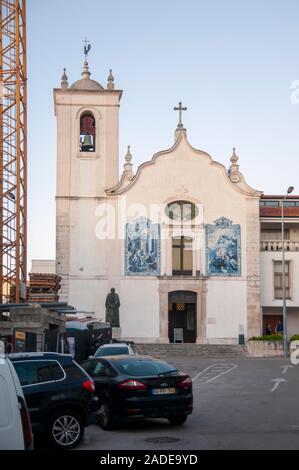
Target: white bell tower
{"points": [[87, 164]]}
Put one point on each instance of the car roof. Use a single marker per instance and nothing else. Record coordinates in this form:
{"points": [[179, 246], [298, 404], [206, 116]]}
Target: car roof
{"points": [[38, 355], [113, 345], [132, 357]]}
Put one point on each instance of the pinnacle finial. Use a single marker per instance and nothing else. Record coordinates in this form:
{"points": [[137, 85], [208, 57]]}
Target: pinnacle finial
{"points": [[128, 156], [85, 73], [110, 84], [234, 158], [128, 165], [64, 80], [233, 171]]}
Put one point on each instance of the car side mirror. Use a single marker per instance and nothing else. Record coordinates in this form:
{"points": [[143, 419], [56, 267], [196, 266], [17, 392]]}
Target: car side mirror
{"points": [[90, 357]]}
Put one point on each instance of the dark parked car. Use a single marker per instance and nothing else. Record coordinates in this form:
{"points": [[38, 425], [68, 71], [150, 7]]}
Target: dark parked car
{"points": [[59, 395], [134, 387]]}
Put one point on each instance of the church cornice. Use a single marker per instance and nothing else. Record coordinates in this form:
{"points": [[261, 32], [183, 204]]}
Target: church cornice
{"points": [[69, 91]]}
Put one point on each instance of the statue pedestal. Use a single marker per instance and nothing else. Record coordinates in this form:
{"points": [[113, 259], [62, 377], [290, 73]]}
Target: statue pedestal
{"points": [[116, 332]]}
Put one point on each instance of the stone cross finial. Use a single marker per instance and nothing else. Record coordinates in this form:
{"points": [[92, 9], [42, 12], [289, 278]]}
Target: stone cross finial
{"points": [[180, 109], [110, 84], [64, 80]]}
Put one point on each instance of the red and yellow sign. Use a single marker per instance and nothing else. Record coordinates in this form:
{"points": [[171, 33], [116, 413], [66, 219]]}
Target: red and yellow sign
{"points": [[20, 335]]}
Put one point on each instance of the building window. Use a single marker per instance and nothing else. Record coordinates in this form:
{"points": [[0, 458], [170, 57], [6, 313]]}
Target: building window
{"points": [[182, 255], [87, 133], [287, 203], [291, 203], [181, 211], [269, 203], [278, 292]]}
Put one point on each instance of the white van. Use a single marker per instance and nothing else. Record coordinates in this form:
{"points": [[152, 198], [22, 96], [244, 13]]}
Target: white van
{"points": [[15, 427]]}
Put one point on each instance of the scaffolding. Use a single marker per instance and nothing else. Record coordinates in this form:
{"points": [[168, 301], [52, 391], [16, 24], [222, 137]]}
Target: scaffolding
{"points": [[13, 150]]}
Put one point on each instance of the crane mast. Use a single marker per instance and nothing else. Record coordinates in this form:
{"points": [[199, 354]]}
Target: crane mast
{"points": [[13, 151]]}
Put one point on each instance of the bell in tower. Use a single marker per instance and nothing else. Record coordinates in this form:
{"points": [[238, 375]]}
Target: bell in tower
{"points": [[87, 133], [87, 144]]}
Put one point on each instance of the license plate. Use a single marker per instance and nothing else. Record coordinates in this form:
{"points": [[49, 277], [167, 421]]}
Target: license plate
{"points": [[163, 391]]}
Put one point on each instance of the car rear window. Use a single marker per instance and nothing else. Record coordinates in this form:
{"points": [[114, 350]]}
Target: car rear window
{"points": [[113, 351], [74, 371], [33, 372], [98, 368], [139, 368], [57, 372]]}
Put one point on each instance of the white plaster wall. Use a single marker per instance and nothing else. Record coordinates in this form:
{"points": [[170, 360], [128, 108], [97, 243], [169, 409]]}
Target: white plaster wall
{"points": [[191, 175], [87, 252], [267, 278], [184, 173], [88, 295], [226, 308], [139, 311]]}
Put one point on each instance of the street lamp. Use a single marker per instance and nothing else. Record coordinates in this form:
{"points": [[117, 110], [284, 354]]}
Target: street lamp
{"points": [[284, 305]]}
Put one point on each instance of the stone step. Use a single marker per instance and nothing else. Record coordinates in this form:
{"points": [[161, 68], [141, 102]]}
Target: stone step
{"points": [[191, 349]]}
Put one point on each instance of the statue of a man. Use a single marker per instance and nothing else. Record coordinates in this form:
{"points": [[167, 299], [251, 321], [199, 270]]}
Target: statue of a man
{"points": [[112, 308]]}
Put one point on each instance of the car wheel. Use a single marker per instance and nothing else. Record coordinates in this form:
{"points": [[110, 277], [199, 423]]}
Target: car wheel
{"points": [[179, 419], [106, 419], [65, 429]]}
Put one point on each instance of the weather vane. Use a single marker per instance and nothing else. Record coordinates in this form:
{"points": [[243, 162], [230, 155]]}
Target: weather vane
{"points": [[87, 47]]}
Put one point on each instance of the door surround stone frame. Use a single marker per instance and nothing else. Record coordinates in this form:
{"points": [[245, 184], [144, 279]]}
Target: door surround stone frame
{"points": [[194, 284]]}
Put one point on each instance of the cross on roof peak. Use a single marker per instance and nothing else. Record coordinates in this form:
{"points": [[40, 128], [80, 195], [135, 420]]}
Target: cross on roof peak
{"points": [[180, 108]]}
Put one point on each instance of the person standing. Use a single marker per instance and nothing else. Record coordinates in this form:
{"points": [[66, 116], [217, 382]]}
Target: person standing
{"points": [[268, 330], [279, 328]]}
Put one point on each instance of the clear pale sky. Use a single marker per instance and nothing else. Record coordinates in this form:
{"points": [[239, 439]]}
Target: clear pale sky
{"points": [[231, 62]]}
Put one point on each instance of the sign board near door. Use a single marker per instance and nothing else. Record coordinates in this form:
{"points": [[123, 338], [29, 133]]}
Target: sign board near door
{"points": [[24, 341], [19, 341], [178, 335]]}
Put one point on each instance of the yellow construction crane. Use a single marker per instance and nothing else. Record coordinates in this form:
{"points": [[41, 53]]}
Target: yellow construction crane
{"points": [[13, 151]]}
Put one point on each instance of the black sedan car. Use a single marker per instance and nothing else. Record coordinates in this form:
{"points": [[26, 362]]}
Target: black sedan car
{"points": [[136, 387]]}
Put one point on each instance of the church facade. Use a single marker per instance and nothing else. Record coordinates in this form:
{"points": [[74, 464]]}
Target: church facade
{"points": [[184, 261]]}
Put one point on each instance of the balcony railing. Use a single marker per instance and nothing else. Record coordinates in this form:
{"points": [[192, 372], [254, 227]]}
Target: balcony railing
{"points": [[276, 245]]}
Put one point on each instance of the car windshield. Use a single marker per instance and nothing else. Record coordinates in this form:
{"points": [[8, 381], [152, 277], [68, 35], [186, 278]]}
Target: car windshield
{"points": [[112, 351], [143, 367]]}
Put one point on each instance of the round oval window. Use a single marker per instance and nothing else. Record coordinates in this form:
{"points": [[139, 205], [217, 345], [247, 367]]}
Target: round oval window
{"points": [[181, 210]]}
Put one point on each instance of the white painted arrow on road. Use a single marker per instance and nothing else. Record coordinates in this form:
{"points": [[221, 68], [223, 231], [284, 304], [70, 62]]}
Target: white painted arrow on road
{"points": [[277, 383], [285, 368]]}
